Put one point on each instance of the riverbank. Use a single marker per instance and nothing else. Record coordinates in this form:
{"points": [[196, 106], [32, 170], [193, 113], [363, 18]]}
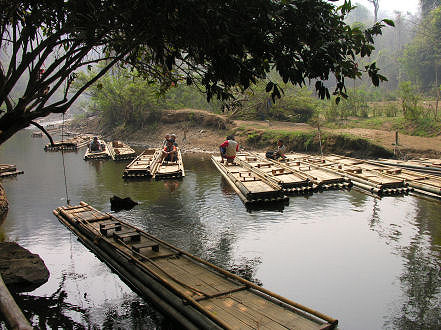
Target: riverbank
{"points": [[202, 131]]}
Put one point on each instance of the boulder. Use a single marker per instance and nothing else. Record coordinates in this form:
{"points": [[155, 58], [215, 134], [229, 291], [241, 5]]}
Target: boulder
{"points": [[21, 270], [118, 203]]}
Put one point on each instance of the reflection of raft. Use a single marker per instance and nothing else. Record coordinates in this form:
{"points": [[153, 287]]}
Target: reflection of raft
{"points": [[101, 154], [144, 165], [9, 170], [120, 151], [251, 187], [170, 170], [195, 293]]}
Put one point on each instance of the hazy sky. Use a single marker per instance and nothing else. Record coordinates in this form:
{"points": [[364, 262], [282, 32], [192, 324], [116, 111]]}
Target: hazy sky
{"points": [[391, 5]]}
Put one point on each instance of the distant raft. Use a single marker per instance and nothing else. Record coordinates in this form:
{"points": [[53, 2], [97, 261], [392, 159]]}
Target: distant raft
{"points": [[120, 151], [170, 170], [192, 291], [102, 153], [143, 165], [251, 187], [72, 144]]}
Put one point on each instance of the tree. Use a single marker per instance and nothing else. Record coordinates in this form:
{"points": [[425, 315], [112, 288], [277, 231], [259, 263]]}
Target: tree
{"points": [[428, 5], [422, 57], [219, 44], [376, 4]]}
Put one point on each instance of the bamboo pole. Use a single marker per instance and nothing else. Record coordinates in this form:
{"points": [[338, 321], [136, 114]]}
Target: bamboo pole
{"points": [[12, 313]]}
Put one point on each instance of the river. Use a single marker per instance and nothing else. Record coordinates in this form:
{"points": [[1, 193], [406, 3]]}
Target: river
{"points": [[371, 263]]}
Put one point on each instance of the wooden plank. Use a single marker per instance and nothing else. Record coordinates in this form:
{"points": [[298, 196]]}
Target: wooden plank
{"points": [[239, 315], [274, 311]]}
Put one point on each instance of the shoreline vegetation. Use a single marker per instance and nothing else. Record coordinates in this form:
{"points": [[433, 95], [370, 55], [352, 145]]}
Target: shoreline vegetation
{"points": [[203, 131]]}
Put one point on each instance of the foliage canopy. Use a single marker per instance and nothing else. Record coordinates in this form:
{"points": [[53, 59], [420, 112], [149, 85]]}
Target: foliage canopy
{"points": [[218, 44]]}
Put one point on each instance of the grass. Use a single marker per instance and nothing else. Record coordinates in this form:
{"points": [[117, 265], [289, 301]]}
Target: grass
{"points": [[426, 127], [309, 142]]}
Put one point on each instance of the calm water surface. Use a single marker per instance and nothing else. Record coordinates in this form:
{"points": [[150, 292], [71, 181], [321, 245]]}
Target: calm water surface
{"points": [[372, 264]]}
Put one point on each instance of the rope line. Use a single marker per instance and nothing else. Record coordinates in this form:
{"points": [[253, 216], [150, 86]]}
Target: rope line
{"points": [[64, 165]]}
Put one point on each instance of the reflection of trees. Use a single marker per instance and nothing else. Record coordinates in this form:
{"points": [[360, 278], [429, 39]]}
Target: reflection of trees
{"points": [[51, 312], [421, 283], [421, 278]]}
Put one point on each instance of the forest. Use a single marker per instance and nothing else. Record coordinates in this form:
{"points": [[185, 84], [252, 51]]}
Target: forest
{"points": [[408, 54]]}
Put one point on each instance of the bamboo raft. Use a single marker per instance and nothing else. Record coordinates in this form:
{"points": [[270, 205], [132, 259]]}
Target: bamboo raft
{"points": [[144, 165], [37, 134], [251, 187], [9, 170], [290, 181], [72, 144], [425, 165], [120, 151], [196, 293], [321, 178], [363, 175], [103, 154], [170, 170]]}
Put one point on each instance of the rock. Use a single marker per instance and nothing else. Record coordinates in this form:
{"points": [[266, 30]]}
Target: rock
{"points": [[21, 270], [118, 203], [3, 204]]}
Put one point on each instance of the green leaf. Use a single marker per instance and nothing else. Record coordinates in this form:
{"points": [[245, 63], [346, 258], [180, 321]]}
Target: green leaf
{"points": [[389, 22]]}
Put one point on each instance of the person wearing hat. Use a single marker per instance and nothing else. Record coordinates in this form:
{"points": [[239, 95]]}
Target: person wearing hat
{"points": [[228, 149]]}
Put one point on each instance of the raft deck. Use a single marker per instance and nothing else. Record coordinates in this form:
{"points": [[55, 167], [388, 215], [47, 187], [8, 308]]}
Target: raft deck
{"points": [[362, 174], [290, 181], [144, 165], [103, 154], [197, 294], [251, 187], [322, 179], [119, 150], [170, 170]]}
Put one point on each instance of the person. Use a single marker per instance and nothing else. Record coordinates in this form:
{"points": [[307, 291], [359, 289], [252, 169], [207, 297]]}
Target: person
{"points": [[167, 137], [279, 153], [95, 144], [228, 149], [169, 153]]}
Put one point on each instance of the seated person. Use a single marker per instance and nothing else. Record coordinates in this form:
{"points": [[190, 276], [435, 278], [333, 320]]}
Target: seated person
{"points": [[279, 153], [95, 144], [169, 153], [228, 149]]}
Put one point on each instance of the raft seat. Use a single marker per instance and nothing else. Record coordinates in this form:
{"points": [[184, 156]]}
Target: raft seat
{"points": [[137, 247], [105, 227], [132, 236]]}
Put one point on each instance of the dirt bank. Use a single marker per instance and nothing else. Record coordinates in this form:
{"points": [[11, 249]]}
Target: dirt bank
{"points": [[3, 204], [202, 131]]}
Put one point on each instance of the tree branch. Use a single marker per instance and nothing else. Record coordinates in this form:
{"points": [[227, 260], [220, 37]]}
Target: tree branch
{"points": [[43, 130]]}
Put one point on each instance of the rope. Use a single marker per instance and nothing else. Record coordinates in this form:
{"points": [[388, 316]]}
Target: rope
{"points": [[64, 165]]}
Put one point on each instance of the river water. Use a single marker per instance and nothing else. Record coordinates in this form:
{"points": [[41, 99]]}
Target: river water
{"points": [[371, 263]]}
